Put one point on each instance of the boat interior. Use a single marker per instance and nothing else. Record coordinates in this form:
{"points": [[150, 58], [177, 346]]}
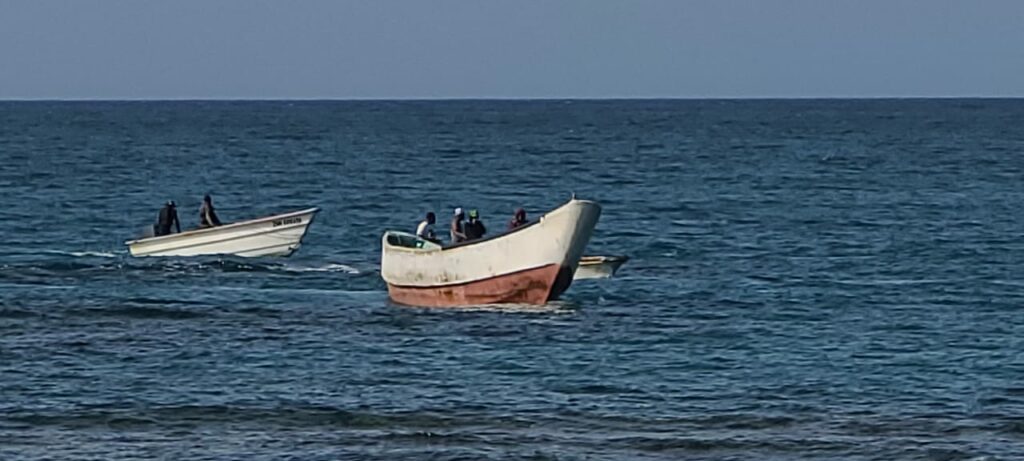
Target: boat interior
{"points": [[492, 236], [411, 241], [406, 241]]}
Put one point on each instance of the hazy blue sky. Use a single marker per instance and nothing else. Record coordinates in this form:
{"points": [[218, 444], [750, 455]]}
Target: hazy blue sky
{"points": [[134, 49]]}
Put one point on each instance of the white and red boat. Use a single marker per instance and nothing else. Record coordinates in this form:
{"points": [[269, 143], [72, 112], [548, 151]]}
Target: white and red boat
{"points": [[533, 264]]}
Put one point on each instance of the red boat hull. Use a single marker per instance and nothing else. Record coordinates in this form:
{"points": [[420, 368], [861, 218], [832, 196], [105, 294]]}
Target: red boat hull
{"points": [[532, 286]]}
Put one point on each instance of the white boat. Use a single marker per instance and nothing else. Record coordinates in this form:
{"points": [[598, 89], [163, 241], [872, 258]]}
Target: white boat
{"points": [[532, 264], [278, 235], [599, 267]]}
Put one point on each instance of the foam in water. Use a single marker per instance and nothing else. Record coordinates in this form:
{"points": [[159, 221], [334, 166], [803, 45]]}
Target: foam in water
{"points": [[333, 267], [98, 254], [82, 254]]}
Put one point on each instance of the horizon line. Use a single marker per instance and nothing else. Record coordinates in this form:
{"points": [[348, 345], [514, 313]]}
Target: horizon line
{"points": [[570, 98]]}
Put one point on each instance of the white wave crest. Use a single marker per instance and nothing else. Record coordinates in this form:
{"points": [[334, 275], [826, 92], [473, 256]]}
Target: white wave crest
{"points": [[82, 254], [333, 267]]}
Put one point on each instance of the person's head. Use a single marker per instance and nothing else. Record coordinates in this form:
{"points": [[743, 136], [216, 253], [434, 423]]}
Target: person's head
{"points": [[458, 213], [207, 199], [170, 204], [520, 214], [473, 215], [431, 218]]}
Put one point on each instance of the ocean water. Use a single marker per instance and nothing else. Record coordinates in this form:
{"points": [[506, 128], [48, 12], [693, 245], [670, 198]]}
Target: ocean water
{"points": [[810, 280]]}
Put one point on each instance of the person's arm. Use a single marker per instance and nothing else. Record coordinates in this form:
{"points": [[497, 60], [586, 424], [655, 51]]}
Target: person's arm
{"points": [[177, 224]]}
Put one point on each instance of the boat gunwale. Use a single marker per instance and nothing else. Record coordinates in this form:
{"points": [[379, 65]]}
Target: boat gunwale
{"points": [[598, 260], [273, 230], [451, 247], [209, 230]]}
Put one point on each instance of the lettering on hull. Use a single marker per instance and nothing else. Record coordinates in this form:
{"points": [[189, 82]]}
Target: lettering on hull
{"points": [[286, 221]]}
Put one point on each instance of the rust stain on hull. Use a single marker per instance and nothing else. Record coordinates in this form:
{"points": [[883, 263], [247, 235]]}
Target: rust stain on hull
{"points": [[531, 286]]}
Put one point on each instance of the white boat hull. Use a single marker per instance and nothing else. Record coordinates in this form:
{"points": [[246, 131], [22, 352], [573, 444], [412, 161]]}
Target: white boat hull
{"points": [[533, 264], [278, 235], [598, 267]]}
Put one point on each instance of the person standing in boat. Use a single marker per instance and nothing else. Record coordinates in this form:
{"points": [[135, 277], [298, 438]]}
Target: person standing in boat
{"points": [[475, 228], [457, 229], [425, 230], [207, 215], [168, 216], [518, 220]]}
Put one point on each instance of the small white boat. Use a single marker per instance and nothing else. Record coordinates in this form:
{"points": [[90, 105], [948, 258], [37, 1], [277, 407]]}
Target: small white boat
{"points": [[599, 267], [532, 264], [278, 235]]}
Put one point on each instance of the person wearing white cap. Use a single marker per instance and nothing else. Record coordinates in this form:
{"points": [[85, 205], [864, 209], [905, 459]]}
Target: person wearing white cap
{"points": [[457, 232]]}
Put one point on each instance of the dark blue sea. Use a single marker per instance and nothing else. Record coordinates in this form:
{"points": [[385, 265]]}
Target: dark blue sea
{"points": [[810, 280]]}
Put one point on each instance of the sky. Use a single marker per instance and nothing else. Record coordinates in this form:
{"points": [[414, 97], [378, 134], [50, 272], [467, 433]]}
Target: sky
{"points": [[440, 49]]}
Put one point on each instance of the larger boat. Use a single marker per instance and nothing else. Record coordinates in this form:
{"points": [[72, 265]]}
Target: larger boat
{"points": [[532, 264], [278, 235]]}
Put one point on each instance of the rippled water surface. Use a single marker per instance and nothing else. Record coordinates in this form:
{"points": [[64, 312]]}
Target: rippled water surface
{"points": [[814, 280]]}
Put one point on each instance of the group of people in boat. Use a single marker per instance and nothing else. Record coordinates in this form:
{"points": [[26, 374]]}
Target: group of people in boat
{"points": [[463, 229], [168, 217]]}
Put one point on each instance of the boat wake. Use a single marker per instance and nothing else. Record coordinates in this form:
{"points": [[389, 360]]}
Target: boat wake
{"points": [[332, 267], [92, 262], [94, 254], [235, 265], [76, 254], [555, 307]]}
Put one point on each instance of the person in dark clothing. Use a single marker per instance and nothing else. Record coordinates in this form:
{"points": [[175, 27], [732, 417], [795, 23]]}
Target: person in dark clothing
{"points": [[168, 217], [518, 220], [207, 216], [456, 230], [475, 228]]}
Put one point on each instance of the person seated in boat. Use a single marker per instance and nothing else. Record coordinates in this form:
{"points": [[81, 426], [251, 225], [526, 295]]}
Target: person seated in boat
{"points": [[207, 215], [457, 229], [168, 217], [518, 220], [425, 230], [474, 227]]}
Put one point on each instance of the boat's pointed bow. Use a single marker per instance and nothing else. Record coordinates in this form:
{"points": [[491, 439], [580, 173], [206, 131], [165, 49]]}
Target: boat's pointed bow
{"points": [[577, 218]]}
